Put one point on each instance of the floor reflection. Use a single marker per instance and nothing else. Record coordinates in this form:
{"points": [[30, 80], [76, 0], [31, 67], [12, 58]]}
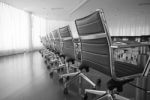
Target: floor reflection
{"points": [[25, 77]]}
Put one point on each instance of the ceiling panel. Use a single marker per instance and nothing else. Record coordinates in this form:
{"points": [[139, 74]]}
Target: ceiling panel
{"points": [[52, 9], [72, 9]]}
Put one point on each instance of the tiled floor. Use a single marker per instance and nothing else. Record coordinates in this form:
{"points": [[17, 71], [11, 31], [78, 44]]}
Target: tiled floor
{"points": [[25, 77]]}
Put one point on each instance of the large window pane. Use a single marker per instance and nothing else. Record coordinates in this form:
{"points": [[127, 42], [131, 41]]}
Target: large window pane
{"points": [[14, 28]]}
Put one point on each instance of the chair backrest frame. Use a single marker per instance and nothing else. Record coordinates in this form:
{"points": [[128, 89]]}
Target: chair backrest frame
{"points": [[51, 40], [67, 37], [102, 35], [104, 22], [57, 41]]}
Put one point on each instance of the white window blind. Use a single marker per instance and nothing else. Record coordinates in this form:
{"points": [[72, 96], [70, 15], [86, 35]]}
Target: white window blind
{"points": [[38, 29], [14, 28]]}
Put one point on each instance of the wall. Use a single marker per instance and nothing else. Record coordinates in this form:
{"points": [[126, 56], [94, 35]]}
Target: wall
{"points": [[124, 17]]}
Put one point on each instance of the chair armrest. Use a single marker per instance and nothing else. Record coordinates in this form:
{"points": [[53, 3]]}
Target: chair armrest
{"points": [[129, 45]]}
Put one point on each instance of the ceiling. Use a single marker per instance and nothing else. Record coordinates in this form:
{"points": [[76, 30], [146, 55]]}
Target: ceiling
{"points": [[72, 9], [52, 9]]}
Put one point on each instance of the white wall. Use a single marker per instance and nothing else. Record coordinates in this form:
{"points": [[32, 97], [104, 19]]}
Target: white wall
{"points": [[14, 30], [124, 17]]}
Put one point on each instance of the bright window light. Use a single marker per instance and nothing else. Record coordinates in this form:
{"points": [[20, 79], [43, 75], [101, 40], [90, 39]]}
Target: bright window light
{"points": [[14, 28]]}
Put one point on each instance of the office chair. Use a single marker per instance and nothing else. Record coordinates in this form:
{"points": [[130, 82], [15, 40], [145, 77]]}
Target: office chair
{"points": [[49, 43], [46, 51], [51, 58], [97, 52], [42, 42], [45, 42], [70, 54], [59, 63], [71, 50]]}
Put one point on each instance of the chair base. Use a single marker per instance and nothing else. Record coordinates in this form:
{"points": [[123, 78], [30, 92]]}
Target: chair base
{"points": [[110, 95], [58, 69], [114, 87], [76, 75]]}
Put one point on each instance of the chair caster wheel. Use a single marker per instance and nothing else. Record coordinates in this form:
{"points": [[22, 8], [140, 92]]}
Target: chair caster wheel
{"points": [[45, 62], [58, 70], [94, 88], [65, 91], [61, 80], [87, 69], [62, 69], [75, 70], [98, 82], [67, 78], [48, 67], [85, 97], [51, 74], [52, 64]]}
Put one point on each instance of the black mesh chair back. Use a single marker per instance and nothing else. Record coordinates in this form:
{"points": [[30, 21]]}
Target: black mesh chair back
{"points": [[97, 49], [51, 41], [94, 43], [68, 45], [47, 41], [57, 41]]}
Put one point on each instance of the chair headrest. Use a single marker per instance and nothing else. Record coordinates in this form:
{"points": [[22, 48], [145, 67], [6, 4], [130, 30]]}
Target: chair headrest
{"points": [[65, 32], [90, 24]]}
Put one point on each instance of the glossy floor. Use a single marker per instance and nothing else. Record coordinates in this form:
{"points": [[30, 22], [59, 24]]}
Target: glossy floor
{"points": [[25, 77]]}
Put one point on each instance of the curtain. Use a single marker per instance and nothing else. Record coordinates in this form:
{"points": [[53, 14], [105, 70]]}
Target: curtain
{"points": [[20, 30], [129, 24], [38, 30], [14, 28]]}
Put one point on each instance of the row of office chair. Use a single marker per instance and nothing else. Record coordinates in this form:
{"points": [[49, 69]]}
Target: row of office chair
{"points": [[94, 49], [64, 47]]}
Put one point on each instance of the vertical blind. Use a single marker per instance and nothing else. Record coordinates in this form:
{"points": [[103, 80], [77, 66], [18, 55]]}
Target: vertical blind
{"points": [[17, 27], [14, 28], [129, 24], [38, 30]]}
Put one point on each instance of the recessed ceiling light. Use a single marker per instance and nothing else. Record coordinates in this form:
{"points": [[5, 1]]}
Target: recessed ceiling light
{"points": [[57, 8]]}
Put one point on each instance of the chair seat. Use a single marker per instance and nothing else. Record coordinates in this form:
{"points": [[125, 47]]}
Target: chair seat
{"points": [[123, 69]]}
